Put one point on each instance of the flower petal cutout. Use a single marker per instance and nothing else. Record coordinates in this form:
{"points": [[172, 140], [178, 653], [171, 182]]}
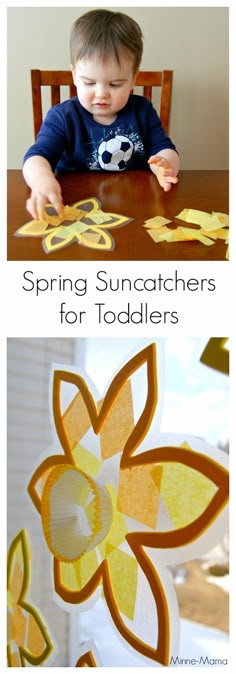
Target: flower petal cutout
{"points": [[161, 652], [205, 465], [32, 638], [148, 357]]}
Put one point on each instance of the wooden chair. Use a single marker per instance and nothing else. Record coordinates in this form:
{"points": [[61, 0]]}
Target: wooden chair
{"points": [[57, 78], [158, 78]]}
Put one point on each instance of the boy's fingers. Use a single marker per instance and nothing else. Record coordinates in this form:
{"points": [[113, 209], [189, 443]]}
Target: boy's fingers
{"points": [[41, 203], [32, 208], [36, 205], [159, 161], [56, 200], [169, 179], [155, 160], [166, 183]]}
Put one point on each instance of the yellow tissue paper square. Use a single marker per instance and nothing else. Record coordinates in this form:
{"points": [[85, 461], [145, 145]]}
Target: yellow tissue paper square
{"points": [[138, 493], [198, 490], [86, 461], [124, 570], [118, 530], [194, 216], [119, 424], [156, 222]]}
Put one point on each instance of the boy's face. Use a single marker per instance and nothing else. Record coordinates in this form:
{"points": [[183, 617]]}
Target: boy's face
{"points": [[103, 88]]}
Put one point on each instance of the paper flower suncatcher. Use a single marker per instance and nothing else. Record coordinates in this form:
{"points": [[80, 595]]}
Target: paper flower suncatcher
{"points": [[119, 502]]}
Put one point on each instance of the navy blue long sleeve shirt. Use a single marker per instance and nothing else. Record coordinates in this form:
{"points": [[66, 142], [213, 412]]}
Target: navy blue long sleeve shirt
{"points": [[71, 140]]}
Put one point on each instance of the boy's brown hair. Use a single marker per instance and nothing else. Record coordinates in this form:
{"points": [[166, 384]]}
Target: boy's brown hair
{"points": [[105, 33]]}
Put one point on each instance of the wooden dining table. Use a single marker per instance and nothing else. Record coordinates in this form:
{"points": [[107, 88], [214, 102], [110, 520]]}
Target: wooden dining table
{"points": [[135, 194]]}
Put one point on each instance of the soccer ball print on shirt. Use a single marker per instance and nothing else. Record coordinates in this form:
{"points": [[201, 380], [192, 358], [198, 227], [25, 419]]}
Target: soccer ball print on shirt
{"points": [[114, 154], [115, 150]]}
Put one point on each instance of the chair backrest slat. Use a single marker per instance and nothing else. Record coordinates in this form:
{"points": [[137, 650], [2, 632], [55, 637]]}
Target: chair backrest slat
{"points": [[147, 92], [152, 78], [72, 90], [57, 78], [55, 94], [166, 92]]}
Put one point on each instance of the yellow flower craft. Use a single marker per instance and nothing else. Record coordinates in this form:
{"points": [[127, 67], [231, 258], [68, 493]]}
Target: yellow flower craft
{"points": [[102, 509], [84, 223], [27, 638]]}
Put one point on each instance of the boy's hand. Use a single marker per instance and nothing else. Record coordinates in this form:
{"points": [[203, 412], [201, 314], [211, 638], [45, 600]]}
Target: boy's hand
{"points": [[163, 171], [47, 191]]}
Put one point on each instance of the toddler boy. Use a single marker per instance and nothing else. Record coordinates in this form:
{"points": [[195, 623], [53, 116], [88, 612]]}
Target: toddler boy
{"points": [[106, 50]]}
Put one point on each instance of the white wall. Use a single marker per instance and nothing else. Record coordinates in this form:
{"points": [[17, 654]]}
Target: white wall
{"points": [[193, 41]]}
